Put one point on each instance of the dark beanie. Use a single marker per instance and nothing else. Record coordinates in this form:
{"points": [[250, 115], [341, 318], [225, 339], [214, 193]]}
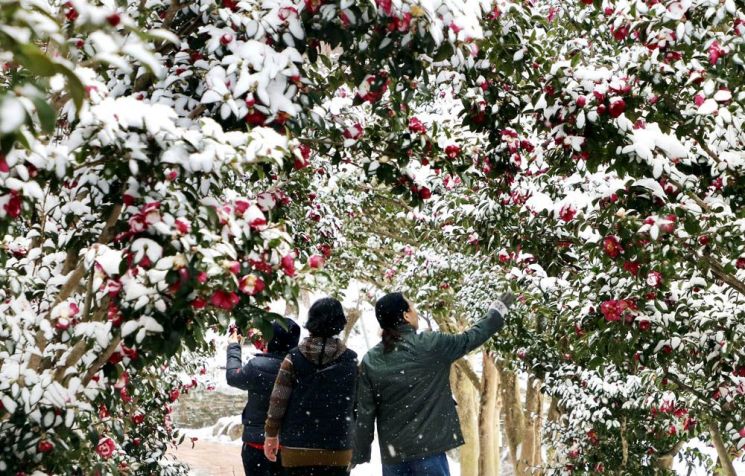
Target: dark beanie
{"points": [[284, 340], [326, 318], [390, 309]]}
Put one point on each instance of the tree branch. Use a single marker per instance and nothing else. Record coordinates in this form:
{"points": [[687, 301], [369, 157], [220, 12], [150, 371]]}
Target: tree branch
{"points": [[465, 367], [724, 459], [101, 360], [73, 281]]}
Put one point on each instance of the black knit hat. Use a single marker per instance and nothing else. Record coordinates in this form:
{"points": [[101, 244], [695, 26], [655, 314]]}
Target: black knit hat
{"points": [[390, 309], [326, 318], [284, 340]]}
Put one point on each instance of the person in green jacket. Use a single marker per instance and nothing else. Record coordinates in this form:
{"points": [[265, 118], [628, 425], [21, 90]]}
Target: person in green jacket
{"points": [[404, 384]]}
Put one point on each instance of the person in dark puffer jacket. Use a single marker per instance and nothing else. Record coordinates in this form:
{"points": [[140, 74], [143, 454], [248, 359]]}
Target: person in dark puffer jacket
{"points": [[312, 404], [257, 377]]}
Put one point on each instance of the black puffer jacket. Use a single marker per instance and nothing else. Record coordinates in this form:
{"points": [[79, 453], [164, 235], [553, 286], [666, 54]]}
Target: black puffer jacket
{"points": [[257, 377]]}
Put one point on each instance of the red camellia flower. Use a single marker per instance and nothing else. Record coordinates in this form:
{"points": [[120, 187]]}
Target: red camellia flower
{"points": [[325, 250], [13, 206], [251, 284], [644, 325], [129, 352], [105, 447], [613, 310], [224, 299], [621, 33], [581, 101], [115, 358], [353, 132], [114, 19], [415, 125], [425, 193], [452, 151], [715, 52], [567, 213], [173, 396], [593, 437], [182, 226], [62, 324], [667, 225], [742, 432], [740, 263], [233, 266], [617, 107], [71, 13], [632, 267], [313, 5], [138, 418], [288, 265], [609, 310], [654, 279], [226, 39], [316, 262], [4, 168], [124, 395], [255, 118], [612, 246], [45, 446]]}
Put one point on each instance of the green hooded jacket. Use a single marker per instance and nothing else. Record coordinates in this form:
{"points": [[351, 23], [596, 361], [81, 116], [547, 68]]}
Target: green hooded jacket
{"points": [[408, 392]]}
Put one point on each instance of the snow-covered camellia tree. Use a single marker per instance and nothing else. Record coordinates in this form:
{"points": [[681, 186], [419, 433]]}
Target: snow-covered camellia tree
{"points": [[608, 162], [144, 152], [131, 226], [155, 160], [613, 163]]}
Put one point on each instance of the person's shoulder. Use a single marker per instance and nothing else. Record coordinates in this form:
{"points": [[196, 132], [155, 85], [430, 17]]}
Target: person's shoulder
{"points": [[265, 360], [350, 354], [372, 353], [423, 336]]}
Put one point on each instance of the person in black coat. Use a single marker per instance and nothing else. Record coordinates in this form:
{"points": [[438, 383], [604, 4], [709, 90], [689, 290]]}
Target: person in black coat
{"points": [[257, 377]]}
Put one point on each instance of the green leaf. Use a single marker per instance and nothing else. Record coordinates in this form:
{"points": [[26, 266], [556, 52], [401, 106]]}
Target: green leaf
{"points": [[47, 115], [74, 86], [445, 52]]}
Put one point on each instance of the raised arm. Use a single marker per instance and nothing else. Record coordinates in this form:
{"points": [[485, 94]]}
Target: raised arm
{"points": [[237, 374], [447, 348], [366, 411]]}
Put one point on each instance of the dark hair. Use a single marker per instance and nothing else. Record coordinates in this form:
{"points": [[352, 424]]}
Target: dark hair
{"points": [[283, 340], [389, 311], [326, 318]]}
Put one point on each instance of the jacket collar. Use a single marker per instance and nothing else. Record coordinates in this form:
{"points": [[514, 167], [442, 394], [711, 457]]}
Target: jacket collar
{"points": [[405, 328]]}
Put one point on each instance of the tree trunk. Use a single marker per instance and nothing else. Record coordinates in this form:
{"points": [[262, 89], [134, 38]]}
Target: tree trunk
{"points": [[353, 315], [490, 431], [514, 421], [465, 395], [531, 454], [523, 423], [554, 414], [725, 462]]}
